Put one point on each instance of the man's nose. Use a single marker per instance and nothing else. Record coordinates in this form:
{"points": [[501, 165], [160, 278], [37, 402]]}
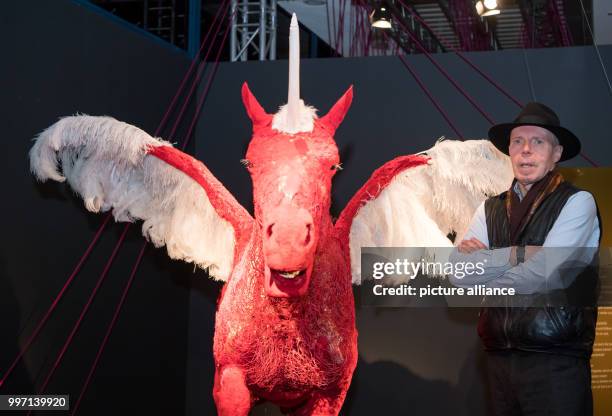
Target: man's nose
{"points": [[526, 148]]}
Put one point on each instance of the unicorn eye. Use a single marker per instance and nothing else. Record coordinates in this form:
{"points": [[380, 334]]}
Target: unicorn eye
{"points": [[246, 163], [336, 167]]}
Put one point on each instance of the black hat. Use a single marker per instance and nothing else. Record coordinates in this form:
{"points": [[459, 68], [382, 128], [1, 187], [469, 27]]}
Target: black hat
{"points": [[536, 114]]}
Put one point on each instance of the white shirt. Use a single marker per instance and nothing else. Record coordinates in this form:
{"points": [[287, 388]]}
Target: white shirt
{"points": [[576, 228]]}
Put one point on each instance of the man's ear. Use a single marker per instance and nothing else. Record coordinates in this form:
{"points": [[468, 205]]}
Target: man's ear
{"points": [[558, 151]]}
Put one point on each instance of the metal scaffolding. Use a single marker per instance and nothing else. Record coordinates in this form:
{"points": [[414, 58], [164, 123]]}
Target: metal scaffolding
{"points": [[253, 30]]}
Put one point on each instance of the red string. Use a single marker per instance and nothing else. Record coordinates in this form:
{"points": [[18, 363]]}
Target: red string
{"points": [[128, 285], [428, 93], [485, 76], [588, 159], [205, 93], [56, 300], [77, 325], [187, 74], [449, 77], [479, 71], [105, 221], [448, 46], [199, 73], [110, 328], [433, 100]]}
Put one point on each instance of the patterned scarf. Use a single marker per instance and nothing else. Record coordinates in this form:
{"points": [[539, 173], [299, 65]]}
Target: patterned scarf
{"points": [[520, 211]]}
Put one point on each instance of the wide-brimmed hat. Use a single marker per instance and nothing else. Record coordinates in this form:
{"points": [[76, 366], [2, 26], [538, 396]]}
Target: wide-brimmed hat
{"points": [[536, 114]]}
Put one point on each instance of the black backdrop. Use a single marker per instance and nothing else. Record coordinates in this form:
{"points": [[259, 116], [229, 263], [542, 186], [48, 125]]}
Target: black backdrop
{"points": [[63, 58], [59, 58], [412, 361]]}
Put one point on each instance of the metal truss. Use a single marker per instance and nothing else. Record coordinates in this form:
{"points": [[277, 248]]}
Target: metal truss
{"points": [[253, 33], [545, 23]]}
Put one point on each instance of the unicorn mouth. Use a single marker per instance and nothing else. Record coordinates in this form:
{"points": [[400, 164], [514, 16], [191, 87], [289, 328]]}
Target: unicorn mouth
{"points": [[287, 283], [288, 275]]}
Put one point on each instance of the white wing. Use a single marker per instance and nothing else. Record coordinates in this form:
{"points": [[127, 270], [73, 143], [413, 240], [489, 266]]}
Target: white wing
{"points": [[106, 162], [422, 205]]}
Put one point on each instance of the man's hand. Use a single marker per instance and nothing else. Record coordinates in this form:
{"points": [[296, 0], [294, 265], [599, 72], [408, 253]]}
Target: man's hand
{"points": [[470, 245]]}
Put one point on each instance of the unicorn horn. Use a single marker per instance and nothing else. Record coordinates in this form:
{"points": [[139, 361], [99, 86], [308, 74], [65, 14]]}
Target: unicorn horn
{"points": [[293, 99]]}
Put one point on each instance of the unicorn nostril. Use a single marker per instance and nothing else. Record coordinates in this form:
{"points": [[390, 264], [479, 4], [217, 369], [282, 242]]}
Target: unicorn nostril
{"points": [[269, 230], [308, 230]]}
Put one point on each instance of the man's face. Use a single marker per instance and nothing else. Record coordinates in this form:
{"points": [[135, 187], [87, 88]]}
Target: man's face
{"points": [[534, 152]]}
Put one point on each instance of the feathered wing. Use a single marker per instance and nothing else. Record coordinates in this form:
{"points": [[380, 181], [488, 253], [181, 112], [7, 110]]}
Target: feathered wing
{"points": [[115, 166], [418, 200]]}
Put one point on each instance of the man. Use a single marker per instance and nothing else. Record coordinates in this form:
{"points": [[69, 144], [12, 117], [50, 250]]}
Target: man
{"points": [[537, 357]]}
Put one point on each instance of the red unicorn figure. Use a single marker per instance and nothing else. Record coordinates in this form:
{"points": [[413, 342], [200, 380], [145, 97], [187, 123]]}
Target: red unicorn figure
{"points": [[285, 324]]}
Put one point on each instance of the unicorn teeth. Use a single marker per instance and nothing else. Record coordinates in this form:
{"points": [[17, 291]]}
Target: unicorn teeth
{"points": [[290, 275]]}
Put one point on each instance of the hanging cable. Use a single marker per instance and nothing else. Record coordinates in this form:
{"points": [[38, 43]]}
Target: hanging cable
{"points": [[446, 74], [137, 263], [105, 221], [84, 311], [601, 62], [104, 273], [204, 94], [198, 76], [428, 93], [431, 97], [517, 102], [189, 71], [110, 328], [55, 302], [450, 47], [529, 78], [111, 259]]}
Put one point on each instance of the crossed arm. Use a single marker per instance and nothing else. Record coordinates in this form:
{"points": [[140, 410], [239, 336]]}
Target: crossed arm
{"points": [[574, 235]]}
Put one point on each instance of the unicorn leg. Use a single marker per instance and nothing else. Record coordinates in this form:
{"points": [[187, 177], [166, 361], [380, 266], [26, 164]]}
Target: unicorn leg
{"points": [[231, 394]]}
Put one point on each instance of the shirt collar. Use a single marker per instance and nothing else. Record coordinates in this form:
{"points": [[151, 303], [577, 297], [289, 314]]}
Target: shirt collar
{"points": [[517, 190]]}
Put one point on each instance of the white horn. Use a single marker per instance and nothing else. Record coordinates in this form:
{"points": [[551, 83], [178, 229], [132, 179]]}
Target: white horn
{"points": [[294, 117], [293, 99]]}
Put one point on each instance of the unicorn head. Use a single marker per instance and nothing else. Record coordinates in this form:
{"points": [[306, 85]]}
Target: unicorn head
{"points": [[292, 157]]}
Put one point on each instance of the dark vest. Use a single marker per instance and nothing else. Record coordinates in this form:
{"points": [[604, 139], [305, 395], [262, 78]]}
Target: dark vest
{"points": [[568, 330]]}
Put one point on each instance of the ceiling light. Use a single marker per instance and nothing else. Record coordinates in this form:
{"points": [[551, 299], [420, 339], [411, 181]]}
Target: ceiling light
{"points": [[487, 8], [381, 17]]}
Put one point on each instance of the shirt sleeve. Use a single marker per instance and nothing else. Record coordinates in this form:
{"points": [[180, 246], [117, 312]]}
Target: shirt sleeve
{"points": [[478, 226], [577, 224]]}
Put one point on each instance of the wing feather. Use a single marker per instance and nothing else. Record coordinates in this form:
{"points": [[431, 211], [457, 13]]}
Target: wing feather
{"points": [[410, 204], [110, 165]]}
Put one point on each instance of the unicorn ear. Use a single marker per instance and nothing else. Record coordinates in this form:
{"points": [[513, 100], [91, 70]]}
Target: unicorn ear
{"points": [[335, 116], [255, 111]]}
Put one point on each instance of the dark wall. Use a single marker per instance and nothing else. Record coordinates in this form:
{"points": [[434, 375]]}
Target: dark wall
{"points": [[59, 58], [412, 361]]}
